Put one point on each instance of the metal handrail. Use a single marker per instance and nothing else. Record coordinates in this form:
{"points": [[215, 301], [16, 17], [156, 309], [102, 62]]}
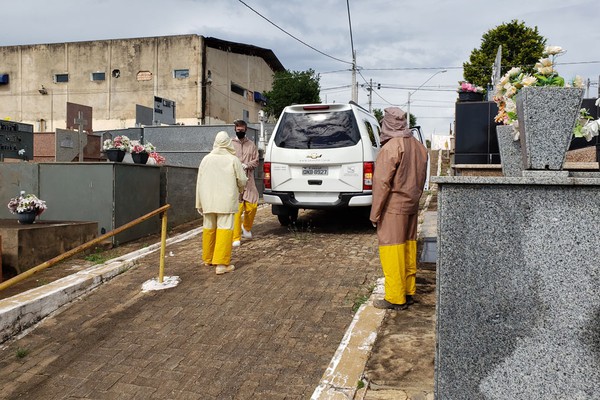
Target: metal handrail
{"points": [[163, 238]]}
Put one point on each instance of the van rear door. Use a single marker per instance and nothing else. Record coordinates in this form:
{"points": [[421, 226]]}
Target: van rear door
{"points": [[317, 148]]}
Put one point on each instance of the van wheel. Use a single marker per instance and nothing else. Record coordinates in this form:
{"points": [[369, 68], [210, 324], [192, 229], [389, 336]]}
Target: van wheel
{"points": [[288, 219], [284, 220]]}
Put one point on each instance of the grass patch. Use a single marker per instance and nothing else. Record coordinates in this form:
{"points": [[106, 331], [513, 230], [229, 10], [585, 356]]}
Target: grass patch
{"points": [[21, 353], [360, 384], [96, 258], [362, 299]]}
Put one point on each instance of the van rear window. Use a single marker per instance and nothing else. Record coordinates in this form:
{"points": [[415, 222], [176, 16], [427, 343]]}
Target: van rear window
{"points": [[317, 130]]}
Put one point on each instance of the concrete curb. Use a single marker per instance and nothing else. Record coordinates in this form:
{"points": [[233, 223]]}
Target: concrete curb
{"points": [[340, 380], [22, 311]]}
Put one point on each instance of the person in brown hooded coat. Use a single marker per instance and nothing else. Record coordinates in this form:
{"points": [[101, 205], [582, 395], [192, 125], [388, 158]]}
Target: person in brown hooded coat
{"points": [[398, 182]]}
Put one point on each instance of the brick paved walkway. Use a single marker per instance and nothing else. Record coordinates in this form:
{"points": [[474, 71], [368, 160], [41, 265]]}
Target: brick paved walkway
{"points": [[266, 331]]}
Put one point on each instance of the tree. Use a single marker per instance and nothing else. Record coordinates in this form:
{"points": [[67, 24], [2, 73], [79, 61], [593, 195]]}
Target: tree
{"points": [[378, 113], [521, 47], [412, 120], [292, 87]]}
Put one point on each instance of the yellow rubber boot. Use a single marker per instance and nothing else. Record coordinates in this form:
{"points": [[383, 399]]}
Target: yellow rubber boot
{"points": [[208, 245], [249, 214], [237, 224], [393, 263], [222, 254], [411, 267]]}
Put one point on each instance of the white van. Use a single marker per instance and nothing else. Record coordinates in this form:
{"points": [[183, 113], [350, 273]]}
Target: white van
{"points": [[320, 156]]}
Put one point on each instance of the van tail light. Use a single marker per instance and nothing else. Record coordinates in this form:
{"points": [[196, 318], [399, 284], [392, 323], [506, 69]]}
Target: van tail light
{"points": [[368, 175], [267, 175], [316, 107]]}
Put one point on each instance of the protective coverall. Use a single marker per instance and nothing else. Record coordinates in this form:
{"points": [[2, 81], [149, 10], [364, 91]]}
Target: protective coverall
{"points": [[221, 179], [398, 181]]}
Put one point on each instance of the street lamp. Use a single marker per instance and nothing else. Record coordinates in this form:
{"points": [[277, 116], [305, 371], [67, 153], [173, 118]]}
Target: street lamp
{"points": [[414, 91]]}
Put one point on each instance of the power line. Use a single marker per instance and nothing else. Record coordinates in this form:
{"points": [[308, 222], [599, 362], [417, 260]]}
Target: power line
{"points": [[461, 67], [292, 36], [371, 89]]}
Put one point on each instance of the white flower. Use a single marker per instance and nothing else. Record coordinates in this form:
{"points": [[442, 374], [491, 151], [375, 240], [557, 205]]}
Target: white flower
{"points": [[513, 72], [529, 80], [590, 129], [544, 66], [578, 81], [553, 50], [511, 91], [597, 102]]}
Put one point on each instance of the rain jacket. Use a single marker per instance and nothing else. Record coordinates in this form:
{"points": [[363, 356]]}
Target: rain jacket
{"points": [[400, 169], [247, 152], [221, 178]]}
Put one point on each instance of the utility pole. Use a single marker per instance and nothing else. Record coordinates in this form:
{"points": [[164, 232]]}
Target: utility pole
{"points": [[370, 89], [354, 86]]}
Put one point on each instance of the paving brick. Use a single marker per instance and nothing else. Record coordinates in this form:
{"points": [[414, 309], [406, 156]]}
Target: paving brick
{"points": [[267, 330]]}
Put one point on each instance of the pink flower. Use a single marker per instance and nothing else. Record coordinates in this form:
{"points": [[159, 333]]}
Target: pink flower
{"points": [[157, 157]]}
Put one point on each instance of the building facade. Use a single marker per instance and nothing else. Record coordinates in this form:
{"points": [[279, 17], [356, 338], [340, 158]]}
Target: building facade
{"points": [[209, 80]]}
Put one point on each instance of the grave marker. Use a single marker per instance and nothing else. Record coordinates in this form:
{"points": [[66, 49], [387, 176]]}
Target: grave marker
{"points": [[16, 140]]}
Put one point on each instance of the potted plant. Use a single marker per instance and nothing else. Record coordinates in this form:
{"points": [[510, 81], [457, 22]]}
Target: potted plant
{"points": [[116, 148], [469, 92], [140, 152], [542, 110], [27, 207]]}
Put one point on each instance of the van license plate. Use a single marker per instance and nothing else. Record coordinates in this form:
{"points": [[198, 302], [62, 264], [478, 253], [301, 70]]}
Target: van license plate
{"points": [[314, 170]]}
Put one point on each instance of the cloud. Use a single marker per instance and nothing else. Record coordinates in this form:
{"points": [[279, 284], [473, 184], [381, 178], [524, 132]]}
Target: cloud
{"points": [[390, 37]]}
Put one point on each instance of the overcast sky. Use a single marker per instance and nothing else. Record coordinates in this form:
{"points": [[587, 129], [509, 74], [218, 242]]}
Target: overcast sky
{"points": [[399, 44]]}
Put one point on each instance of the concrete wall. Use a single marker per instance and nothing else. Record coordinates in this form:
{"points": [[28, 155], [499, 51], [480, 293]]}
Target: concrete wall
{"points": [[110, 194], [251, 73], [135, 71], [518, 288], [178, 188]]}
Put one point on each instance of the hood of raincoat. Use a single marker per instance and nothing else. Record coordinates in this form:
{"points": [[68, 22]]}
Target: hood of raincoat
{"points": [[394, 124], [223, 144]]}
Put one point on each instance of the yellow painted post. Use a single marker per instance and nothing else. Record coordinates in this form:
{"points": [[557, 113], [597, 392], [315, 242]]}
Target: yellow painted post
{"points": [[163, 244]]}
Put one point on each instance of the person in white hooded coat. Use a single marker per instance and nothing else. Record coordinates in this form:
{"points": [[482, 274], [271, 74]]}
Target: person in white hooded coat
{"points": [[221, 179]]}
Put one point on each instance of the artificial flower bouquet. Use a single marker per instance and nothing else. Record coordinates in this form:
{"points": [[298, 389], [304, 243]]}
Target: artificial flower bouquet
{"points": [[26, 203], [156, 158], [545, 75], [119, 143], [466, 87], [137, 147]]}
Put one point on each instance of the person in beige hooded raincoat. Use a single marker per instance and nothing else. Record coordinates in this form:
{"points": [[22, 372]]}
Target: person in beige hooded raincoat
{"points": [[221, 179], [398, 182]]}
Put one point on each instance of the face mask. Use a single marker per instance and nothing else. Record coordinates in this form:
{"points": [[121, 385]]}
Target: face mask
{"points": [[240, 135]]}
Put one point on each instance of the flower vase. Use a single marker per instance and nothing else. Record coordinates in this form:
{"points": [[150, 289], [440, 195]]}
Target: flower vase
{"points": [[470, 96], [510, 151], [547, 116], [140, 158], [115, 155], [27, 217]]}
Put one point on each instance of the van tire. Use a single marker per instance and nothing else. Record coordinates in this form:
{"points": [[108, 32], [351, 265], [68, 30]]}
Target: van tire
{"points": [[284, 220], [288, 219]]}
